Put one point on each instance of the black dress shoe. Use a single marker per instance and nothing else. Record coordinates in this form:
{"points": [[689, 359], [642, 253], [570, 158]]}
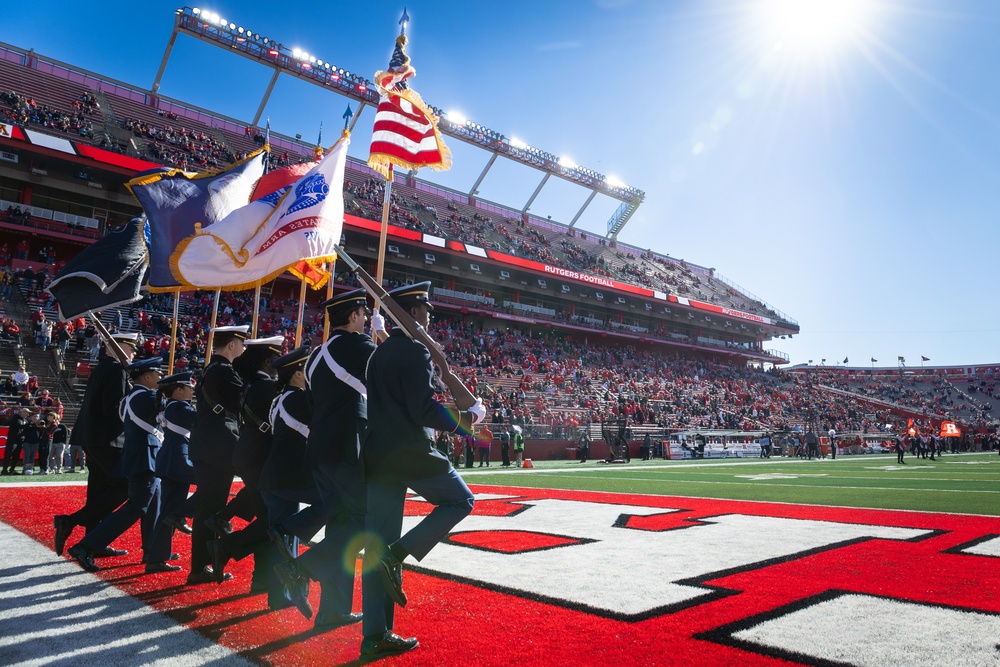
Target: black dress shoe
{"points": [[390, 644], [291, 576], [392, 578], [334, 621], [161, 567], [219, 559], [174, 557], [206, 576], [283, 540], [109, 552], [84, 558], [177, 524], [218, 525], [63, 531]]}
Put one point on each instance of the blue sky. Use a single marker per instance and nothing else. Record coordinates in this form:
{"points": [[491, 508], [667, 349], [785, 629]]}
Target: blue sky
{"points": [[849, 179]]}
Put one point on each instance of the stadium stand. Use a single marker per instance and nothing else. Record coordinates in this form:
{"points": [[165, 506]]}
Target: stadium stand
{"points": [[559, 330]]}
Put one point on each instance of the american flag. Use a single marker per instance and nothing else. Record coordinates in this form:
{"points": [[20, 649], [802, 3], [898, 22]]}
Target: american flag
{"points": [[405, 132]]}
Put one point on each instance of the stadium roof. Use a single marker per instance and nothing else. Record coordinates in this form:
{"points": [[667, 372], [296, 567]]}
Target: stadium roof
{"points": [[211, 28]]}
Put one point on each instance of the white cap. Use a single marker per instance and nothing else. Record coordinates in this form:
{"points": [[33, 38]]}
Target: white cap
{"points": [[240, 331], [275, 343], [127, 338]]}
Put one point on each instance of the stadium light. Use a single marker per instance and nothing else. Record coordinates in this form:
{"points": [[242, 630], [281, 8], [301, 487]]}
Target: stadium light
{"points": [[614, 182], [456, 118], [518, 144], [196, 11], [567, 163]]}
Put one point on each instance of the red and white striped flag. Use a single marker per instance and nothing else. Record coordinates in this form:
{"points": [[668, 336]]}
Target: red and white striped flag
{"points": [[405, 132]]}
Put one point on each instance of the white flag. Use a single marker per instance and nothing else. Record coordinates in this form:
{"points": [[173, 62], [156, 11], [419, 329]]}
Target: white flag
{"points": [[257, 242]]}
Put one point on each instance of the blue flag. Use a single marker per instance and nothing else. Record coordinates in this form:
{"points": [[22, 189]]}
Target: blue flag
{"points": [[103, 275], [178, 204]]}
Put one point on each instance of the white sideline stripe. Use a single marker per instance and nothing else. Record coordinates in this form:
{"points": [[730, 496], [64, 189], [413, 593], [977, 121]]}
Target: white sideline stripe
{"points": [[883, 633], [52, 612], [804, 486]]}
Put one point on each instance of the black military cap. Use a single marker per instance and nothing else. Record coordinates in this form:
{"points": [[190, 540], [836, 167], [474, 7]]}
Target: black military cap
{"points": [[144, 366], [177, 378], [296, 356], [357, 298], [408, 296]]}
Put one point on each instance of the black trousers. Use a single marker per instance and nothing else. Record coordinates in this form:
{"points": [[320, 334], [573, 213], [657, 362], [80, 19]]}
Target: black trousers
{"points": [[104, 492], [10, 456], [213, 493]]}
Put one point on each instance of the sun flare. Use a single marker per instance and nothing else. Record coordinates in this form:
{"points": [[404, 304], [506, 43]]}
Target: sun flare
{"points": [[813, 24]]}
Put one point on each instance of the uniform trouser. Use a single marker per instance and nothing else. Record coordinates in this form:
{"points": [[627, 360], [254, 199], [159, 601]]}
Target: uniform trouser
{"points": [[104, 492], [251, 539], [452, 502], [505, 455], [10, 456], [333, 561], [484, 456], [30, 453], [283, 510], [143, 504], [213, 492], [57, 450], [173, 502], [899, 456]]}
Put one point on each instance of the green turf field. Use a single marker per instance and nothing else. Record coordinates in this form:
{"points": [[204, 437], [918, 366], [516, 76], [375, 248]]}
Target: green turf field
{"points": [[961, 483]]}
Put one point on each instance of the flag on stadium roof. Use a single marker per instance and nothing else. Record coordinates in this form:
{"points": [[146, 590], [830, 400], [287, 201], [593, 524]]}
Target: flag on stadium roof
{"points": [[874, 360], [106, 274], [175, 201], [405, 132], [260, 240], [845, 360], [923, 358]]}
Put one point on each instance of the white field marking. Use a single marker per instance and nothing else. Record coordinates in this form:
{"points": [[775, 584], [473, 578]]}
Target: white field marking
{"points": [[882, 633], [987, 548], [804, 486], [566, 573], [775, 475], [52, 612], [677, 466]]}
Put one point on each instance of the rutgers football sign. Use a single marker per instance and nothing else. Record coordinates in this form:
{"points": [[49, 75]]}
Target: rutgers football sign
{"points": [[716, 582]]}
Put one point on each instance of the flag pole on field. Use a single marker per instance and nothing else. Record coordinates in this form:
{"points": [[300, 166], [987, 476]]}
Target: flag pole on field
{"points": [[173, 332], [211, 334]]}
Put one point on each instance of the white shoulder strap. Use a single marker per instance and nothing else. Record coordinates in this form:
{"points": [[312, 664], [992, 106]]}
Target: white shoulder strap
{"points": [[278, 411], [338, 371], [125, 411]]}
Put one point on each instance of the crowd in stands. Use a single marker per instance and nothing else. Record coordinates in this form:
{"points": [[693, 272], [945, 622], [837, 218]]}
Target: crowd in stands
{"points": [[180, 147], [26, 111]]}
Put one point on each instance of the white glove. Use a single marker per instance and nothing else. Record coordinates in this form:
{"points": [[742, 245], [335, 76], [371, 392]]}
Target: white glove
{"points": [[478, 411], [378, 322]]}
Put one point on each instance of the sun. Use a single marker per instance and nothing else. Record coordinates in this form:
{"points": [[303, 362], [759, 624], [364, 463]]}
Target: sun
{"points": [[813, 24]]}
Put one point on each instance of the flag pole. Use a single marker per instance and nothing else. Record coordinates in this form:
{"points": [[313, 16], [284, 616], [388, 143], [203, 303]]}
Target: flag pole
{"points": [[256, 311], [302, 304], [173, 332], [329, 295], [386, 202], [211, 335]]}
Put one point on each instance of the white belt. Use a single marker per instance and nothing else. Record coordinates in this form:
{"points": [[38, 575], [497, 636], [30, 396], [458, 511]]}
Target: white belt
{"points": [[339, 371]]}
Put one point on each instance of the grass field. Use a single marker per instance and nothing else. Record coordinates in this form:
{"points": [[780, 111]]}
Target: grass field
{"points": [[958, 483]]}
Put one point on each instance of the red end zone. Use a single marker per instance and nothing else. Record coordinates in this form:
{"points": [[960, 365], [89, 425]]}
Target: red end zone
{"points": [[559, 577]]}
